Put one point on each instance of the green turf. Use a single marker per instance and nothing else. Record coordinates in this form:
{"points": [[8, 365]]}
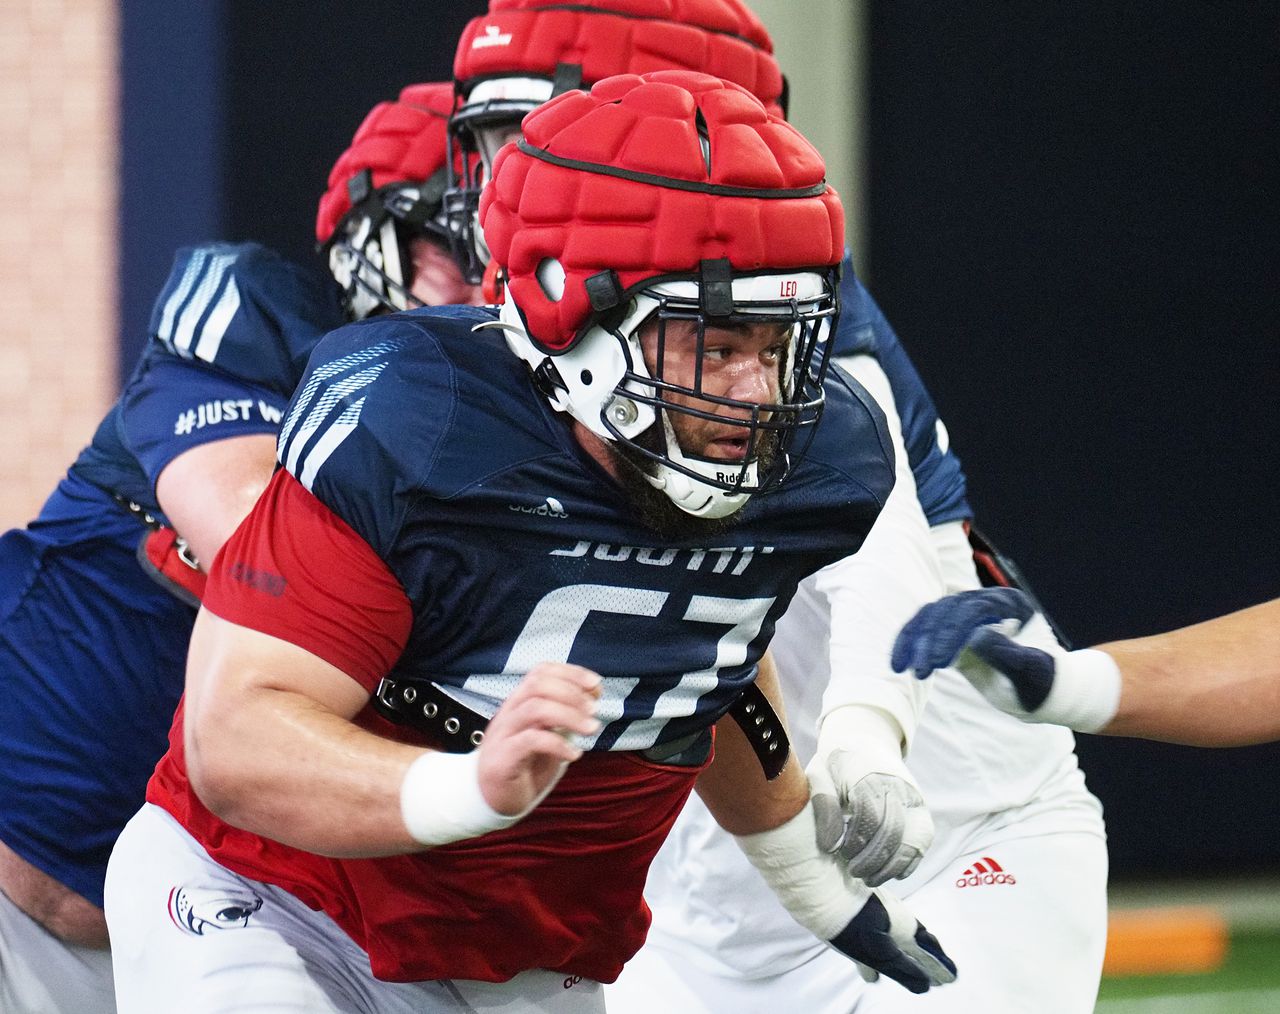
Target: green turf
{"points": [[1253, 963]]}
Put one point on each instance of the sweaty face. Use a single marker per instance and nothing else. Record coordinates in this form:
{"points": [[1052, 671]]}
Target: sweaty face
{"points": [[742, 362]]}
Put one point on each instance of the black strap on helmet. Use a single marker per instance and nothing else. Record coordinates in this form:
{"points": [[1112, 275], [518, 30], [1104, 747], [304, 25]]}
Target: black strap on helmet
{"points": [[567, 78], [716, 291]]}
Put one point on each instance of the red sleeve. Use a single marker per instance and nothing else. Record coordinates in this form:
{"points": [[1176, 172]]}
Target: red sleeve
{"points": [[297, 571]]}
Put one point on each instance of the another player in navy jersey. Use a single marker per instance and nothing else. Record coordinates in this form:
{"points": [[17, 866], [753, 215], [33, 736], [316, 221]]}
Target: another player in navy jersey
{"points": [[459, 669], [97, 594]]}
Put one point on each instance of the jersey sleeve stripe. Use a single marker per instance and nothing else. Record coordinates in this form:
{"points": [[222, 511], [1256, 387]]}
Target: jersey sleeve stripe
{"points": [[324, 407], [219, 320], [205, 291], [194, 267], [341, 428]]}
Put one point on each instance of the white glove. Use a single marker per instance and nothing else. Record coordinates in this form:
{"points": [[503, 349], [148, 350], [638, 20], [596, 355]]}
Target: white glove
{"points": [[872, 927], [1006, 649], [868, 809]]}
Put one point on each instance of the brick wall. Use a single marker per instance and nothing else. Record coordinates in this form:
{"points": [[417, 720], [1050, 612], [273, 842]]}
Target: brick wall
{"points": [[58, 98]]}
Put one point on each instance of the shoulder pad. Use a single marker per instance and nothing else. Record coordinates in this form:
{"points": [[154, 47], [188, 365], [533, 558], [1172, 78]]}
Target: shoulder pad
{"points": [[362, 433]]}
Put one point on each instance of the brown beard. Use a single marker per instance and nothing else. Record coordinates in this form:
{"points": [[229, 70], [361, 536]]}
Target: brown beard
{"points": [[654, 508]]}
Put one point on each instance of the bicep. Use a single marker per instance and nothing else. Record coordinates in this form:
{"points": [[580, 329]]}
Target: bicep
{"points": [[206, 491], [240, 683], [228, 663]]}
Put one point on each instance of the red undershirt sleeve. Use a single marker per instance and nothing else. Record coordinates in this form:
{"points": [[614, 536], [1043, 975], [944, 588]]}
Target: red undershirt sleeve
{"points": [[298, 572]]}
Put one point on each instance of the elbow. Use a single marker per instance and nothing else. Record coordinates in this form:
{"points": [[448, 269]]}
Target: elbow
{"points": [[213, 769], [208, 776]]}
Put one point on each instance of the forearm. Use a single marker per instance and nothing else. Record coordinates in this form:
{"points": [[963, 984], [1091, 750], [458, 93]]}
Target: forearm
{"points": [[734, 786], [273, 747], [1212, 684], [272, 761]]}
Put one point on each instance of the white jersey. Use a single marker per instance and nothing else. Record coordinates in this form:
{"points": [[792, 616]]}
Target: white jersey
{"points": [[977, 767]]}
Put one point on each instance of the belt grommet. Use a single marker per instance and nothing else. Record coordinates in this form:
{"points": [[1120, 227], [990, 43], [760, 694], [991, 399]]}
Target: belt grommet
{"points": [[452, 725]]}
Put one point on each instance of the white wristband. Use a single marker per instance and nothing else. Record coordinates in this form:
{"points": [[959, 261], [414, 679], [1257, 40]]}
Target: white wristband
{"points": [[441, 801], [1086, 692], [809, 883]]}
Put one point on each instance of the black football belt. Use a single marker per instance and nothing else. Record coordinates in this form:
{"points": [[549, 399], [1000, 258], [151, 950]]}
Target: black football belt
{"points": [[455, 728]]}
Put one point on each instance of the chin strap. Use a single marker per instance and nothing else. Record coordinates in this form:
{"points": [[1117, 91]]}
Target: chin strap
{"points": [[686, 492]]}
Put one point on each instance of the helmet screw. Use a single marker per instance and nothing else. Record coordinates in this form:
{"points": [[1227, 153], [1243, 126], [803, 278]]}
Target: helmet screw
{"points": [[622, 411]]}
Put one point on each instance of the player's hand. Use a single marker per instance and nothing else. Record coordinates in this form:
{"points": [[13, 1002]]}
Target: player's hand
{"points": [[1006, 649], [868, 810], [865, 924], [530, 740], [884, 938]]}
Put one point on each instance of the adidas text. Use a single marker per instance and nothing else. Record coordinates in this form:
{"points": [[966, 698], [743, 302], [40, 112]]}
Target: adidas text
{"points": [[984, 873], [983, 879], [551, 509]]}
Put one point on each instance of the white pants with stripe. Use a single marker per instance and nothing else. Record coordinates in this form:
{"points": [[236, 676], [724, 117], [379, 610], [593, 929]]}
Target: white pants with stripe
{"points": [[189, 935]]}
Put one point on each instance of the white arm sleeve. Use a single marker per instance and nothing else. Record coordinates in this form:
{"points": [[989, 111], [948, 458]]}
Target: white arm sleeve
{"points": [[955, 555], [872, 594]]}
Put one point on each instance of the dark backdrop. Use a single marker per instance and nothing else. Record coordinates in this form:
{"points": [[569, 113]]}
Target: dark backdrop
{"points": [[233, 112], [1073, 225]]}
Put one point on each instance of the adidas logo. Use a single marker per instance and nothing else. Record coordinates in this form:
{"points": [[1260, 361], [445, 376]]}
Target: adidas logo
{"points": [[986, 871], [551, 509]]}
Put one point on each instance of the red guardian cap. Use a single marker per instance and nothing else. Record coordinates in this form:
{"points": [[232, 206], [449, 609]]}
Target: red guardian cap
{"points": [[386, 191], [651, 176], [398, 142], [596, 39]]}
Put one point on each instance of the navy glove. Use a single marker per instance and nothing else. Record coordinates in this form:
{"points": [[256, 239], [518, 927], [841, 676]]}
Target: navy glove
{"points": [[1006, 649], [870, 926]]}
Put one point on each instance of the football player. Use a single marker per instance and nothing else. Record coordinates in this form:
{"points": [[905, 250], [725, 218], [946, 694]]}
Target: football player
{"points": [[97, 594], [458, 670], [998, 793], [1214, 683]]}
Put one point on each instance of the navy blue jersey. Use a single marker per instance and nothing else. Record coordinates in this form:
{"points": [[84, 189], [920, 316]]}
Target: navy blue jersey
{"points": [[230, 335], [92, 650], [514, 547], [863, 330]]}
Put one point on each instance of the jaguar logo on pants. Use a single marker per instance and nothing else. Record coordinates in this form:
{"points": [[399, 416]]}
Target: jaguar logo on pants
{"points": [[196, 909]]}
